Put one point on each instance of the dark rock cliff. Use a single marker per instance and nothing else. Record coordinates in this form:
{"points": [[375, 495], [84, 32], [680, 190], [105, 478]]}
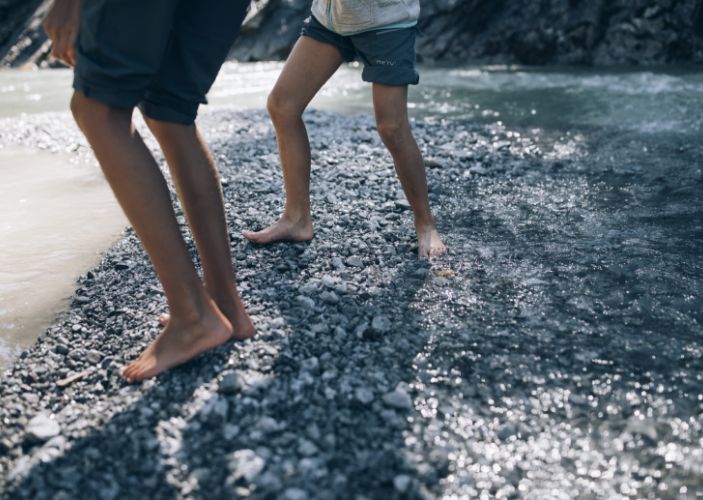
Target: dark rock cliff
{"points": [[580, 32], [22, 39]]}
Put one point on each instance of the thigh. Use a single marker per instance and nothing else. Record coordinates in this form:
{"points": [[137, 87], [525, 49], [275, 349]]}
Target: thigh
{"points": [[388, 56], [310, 64], [120, 47], [204, 32]]}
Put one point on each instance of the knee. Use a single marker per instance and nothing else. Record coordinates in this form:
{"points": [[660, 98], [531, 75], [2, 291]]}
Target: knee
{"points": [[282, 108], [391, 132], [90, 114], [168, 130]]}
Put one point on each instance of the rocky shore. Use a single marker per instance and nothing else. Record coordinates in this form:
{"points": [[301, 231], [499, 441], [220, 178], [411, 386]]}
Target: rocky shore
{"points": [[555, 352], [598, 32]]}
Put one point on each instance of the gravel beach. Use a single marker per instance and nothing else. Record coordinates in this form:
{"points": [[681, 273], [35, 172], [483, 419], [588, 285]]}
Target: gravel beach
{"points": [[556, 352]]}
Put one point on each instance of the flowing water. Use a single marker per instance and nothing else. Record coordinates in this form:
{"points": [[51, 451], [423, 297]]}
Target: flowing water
{"points": [[57, 214]]}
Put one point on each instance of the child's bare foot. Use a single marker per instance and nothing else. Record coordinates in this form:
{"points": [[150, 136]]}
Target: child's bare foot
{"points": [[285, 229], [179, 343], [429, 243]]}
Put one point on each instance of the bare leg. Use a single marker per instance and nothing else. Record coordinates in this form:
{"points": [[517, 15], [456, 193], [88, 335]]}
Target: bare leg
{"points": [[310, 65], [391, 107], [196, 324], [198, 187]]}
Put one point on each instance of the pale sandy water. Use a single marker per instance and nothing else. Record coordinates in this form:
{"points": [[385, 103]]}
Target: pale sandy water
{"points": [[57, 215]]}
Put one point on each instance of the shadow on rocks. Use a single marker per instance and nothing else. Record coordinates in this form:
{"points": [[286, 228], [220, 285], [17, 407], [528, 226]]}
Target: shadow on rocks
{"points": [[131, 454], [314, 407], [320, 407]]}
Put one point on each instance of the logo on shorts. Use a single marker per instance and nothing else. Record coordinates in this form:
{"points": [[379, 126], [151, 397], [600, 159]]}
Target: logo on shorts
{"points": [[385, 62]]}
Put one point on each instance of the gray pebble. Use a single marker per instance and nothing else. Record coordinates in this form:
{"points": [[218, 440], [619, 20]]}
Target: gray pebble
{"points": [[307, 448], [355, 261], [364, 395], [401, 483], [294, 494], [245, 464], [231, 383], [42, 428], [399, 399], [305, 301], [381, 324]]}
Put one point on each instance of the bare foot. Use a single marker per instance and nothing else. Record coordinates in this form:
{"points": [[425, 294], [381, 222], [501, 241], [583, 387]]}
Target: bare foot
{"points": [[284, 229], [234, 311], [179, 343], [429, 243]]}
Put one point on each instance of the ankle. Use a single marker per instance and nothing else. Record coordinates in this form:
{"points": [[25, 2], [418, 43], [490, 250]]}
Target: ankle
{"points": [[424, 221], [227, 300], [297, 217], [191, 312]]}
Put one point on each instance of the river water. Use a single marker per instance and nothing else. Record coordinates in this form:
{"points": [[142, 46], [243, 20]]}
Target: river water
{"points": [[57, 215]]}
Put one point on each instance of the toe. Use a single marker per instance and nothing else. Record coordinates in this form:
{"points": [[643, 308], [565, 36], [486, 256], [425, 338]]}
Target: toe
{"points": [[138, 376], [250, 235], [163, 319], [126, 373], [138, 373], [145, 371], [258, 238]]}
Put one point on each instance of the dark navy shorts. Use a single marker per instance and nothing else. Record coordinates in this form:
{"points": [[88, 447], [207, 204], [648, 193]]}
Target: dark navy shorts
{"points": [[388, 54], [162, 55]]}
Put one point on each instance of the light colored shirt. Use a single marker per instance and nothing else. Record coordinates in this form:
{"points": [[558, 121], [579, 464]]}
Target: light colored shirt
{"points": [[350, 17]]}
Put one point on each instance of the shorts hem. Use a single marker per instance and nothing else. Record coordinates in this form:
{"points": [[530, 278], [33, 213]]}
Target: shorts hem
{"points": [[167, 114], [109, 97], [385, 77]]}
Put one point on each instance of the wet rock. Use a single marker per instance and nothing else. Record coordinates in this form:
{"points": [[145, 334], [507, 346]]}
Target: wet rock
{"points": [[642, 427], [381, 324], [506, 431], [402, 204], [215, 409], [305, 301], [42, 427], [401, 483], [361, 329], [329, 281], [364, 395], [230, 431], [231, 383], [355, 261], [93, 356], [329, 297], [307, 448], [398, 399], [268, 425], [268, 482], [246, 465], [294, 494], [61, 349]]}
